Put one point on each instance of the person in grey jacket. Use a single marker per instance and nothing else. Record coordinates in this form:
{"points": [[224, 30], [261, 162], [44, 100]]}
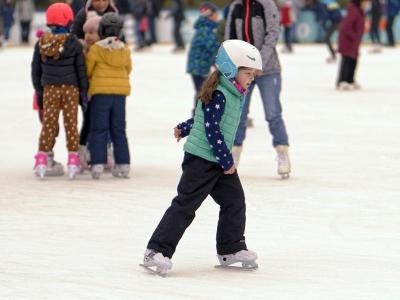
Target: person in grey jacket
{"points": [[24, 10], [257, 22]]}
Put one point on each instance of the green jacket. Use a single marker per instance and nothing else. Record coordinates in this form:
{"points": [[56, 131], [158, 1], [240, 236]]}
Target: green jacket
{"points": [[197, 142]]}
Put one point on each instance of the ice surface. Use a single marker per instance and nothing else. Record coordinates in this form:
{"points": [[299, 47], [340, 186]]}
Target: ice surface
{"points": [[330, 232]]}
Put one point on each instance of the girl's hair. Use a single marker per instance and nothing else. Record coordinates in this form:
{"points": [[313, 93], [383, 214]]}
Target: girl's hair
{"points": [[209, 87]]}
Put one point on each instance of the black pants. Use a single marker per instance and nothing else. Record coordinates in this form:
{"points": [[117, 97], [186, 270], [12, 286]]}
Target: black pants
{"points": [[177, 34], [389, 30], [374, 31], [287, 37], [201, 178], [328, 35], [25, 30], [347, 69], [85, 129]]}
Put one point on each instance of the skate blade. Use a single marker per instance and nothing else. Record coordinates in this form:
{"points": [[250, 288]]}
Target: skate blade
{"points": [[72, 171], [237, 268], [152, 271]]}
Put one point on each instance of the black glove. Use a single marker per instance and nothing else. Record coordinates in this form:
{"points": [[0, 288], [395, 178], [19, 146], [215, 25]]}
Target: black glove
{"points": [[83, 101], [39, 100]]}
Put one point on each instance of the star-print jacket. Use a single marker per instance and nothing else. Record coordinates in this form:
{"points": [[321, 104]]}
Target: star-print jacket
{"points": [[213, 129]]}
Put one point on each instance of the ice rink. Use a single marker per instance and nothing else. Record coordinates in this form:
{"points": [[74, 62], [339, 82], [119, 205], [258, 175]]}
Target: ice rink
{"points": [[332, 231]]}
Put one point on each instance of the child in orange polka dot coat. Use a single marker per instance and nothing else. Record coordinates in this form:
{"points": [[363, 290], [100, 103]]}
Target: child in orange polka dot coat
{"points": [[60, 82]]}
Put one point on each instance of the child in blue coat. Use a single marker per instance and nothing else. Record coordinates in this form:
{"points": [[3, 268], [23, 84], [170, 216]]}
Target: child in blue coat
{"points": [[204, 46]]}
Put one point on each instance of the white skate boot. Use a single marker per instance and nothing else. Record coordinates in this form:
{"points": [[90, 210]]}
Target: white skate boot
{"points": [[40, 164], [236, 152], [73, 164], [121, 170], [54, 168], [97, 170], [283, 161], [156, 263], [247, 259]]}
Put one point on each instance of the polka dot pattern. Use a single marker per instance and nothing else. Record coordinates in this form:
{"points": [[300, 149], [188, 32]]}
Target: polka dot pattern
{"points": [[55, 99]]}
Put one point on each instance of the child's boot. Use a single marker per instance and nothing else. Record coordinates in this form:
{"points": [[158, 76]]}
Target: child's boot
{"points": [[97, 170], [161, 263], [246, 257], [82, 152], [73, 164], [54, 168], [121, 170], [283, 160], [40, 164], [236, 152]]}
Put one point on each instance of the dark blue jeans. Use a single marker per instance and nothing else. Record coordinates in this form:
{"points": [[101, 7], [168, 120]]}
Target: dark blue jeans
{"points": [[270, 89], [107, 115]]}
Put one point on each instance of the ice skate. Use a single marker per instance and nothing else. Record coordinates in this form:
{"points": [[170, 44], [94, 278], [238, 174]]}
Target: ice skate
{"points": [[355, 86], [97, 170], [83, 158], [156, 263], [344, 86], [236, 152], [242, 260], [283, 161], [73, 164], [121, 170], [110, 158], [54, 168], [331, 60], [40, 164]]}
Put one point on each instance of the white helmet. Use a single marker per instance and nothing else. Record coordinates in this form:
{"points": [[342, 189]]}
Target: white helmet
{"points": [[234, 54]]}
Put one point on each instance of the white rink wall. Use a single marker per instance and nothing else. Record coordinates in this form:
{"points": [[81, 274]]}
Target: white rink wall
{"points": [[332, 231]]}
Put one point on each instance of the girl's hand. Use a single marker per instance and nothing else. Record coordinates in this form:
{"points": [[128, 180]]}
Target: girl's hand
{"points": [[177, 134], [230, 171]]}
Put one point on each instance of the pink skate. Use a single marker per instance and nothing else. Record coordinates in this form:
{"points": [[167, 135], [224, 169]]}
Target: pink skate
{"points": [[73, 164], [40, 164]]}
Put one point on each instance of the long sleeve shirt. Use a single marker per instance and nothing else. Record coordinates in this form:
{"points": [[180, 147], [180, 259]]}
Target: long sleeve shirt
{"points": [[213, 112]]}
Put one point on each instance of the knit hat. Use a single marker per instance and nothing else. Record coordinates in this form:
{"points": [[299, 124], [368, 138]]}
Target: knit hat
{"points": [[207, 9], [92, 22]]}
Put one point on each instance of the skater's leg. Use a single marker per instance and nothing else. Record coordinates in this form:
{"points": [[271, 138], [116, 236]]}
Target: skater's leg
{"points": [[352, 69], [118, 130], [69, 104], [270, 89], [228, 194], [99, 129], [198, 179], [51, 111], [241, 131], [85, 129]]}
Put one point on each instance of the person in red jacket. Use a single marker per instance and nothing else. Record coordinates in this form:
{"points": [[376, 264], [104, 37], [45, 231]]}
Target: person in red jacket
{"points": [[350, 35]]}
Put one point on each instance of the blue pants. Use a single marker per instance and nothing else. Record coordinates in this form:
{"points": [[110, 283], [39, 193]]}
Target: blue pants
{"points": [[270, 89], [107, 115]]}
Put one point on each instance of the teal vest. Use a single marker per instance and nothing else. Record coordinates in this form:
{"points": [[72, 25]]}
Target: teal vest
{"points": [[197, 143]]}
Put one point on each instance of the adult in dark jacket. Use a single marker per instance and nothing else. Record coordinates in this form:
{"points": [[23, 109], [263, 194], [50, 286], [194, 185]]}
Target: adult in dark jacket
{"points": [[392, 8], [350, 35], [7, 11], [332, 19], [100, 7], [177, 13], [375, 14]]}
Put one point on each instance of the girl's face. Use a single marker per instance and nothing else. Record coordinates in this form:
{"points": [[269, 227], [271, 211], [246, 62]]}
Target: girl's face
{"points": [[100, 5], [245, 77], [91, 37]]}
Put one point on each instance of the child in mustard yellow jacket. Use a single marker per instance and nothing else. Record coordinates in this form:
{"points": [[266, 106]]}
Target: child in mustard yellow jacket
{"points": [[108, 64]]}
